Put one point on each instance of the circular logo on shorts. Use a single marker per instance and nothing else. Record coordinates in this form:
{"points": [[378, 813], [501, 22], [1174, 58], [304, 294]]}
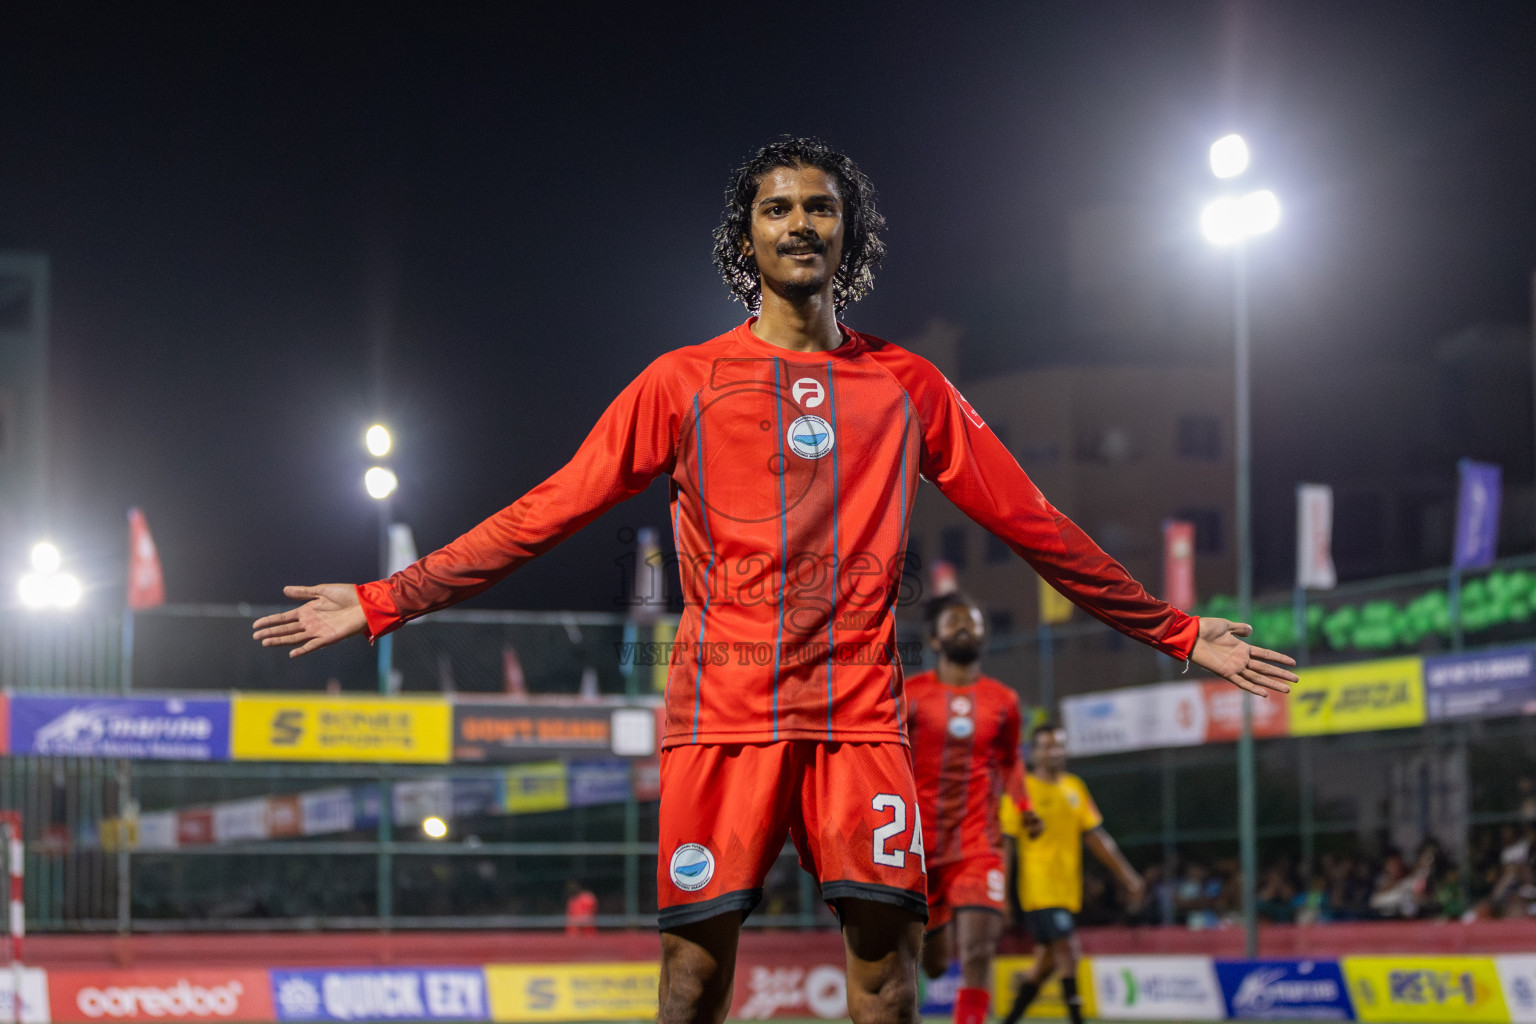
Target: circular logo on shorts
{"points": [[810, 437], [961, 728], [692, 867]]}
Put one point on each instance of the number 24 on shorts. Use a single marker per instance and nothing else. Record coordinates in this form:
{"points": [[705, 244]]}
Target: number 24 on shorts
{"points": [[894, 828]]}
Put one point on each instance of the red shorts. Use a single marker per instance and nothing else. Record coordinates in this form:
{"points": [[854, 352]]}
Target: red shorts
{"points": [[851, 809], [972, 883]]}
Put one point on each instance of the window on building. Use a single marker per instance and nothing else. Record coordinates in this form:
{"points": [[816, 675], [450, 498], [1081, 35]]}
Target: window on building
{"points": [[952, 546], [1209, 536], [998, 550], [1199, 438]]}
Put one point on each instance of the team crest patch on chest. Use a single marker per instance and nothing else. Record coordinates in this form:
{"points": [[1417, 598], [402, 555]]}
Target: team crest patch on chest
{"points": [[961, 725], [810, 437]]}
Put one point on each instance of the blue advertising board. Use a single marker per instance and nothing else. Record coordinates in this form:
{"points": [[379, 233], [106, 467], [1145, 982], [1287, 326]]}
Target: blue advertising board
{"points": [[365, 994], [597, 782], [1287, 990], [1488, 684], [168, 729], [938, 994]]}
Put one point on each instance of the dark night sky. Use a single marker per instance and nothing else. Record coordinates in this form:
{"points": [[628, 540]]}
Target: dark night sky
{"points": [[268, 225]]}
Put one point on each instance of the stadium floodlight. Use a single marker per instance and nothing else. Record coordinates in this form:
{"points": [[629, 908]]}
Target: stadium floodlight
{"points": [[45, 558], [378, 440], [1260, 212], [435, 827], [1229, 156], [1228, 220], [380, 482]]}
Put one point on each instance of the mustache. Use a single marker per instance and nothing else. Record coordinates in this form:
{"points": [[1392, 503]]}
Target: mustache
{"points": [[801, 246]]}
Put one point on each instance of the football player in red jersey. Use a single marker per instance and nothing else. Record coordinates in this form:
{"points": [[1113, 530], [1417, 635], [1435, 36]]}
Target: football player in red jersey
{"points": [[964, 730], [793, 445]]}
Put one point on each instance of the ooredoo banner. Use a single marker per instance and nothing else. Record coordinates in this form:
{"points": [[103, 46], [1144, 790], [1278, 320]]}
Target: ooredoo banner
{"points": [[208, 995], [364, 994]]}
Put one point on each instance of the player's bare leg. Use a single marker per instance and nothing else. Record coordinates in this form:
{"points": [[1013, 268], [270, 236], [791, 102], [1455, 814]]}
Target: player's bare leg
{"points": [[977, 932], [883, 943], [936, 952], [698, 970]]}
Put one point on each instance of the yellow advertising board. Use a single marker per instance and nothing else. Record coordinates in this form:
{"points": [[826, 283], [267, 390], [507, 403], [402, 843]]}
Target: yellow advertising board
{"points": [[304, 728], [1006, 972], [1359, 697], [572, 992], [539, 786], [1054, 608], [1408, 989]]}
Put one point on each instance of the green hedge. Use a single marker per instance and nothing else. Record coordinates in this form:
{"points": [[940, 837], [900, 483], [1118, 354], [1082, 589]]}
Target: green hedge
{"points": [[1493, 600]]}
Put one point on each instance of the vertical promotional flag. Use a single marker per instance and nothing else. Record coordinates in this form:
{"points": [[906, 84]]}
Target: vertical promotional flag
{"points": [[1477, 514], [146, 583], [402, 547], [1054, 609], [1179, 563], [1314, 537]]}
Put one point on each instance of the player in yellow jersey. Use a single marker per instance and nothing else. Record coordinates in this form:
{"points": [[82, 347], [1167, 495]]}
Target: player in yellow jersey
{"points": [[1050, 867]]}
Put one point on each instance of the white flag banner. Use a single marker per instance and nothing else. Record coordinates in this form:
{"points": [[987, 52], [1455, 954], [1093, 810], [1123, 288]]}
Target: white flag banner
{"points": [[402, 547], [1314, 537]]}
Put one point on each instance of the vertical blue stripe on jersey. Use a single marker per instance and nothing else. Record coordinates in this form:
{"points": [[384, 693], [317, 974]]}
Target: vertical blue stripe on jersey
{"points": [[778, 411], [906, 424], [698, 681], [832, 619]]}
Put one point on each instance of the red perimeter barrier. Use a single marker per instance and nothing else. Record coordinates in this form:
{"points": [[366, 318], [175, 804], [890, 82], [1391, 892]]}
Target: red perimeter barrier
{"points": [[334, 949]]}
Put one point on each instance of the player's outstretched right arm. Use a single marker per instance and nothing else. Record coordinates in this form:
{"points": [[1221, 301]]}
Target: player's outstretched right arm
{"points": [[330, 612]]}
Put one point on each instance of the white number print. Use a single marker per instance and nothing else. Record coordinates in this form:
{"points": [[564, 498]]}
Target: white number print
{"points": [[893, 829], [995, 886]]}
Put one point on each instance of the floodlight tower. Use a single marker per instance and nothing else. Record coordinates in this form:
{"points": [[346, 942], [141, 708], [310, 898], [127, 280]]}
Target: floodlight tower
{"points": [[1229, 221]]}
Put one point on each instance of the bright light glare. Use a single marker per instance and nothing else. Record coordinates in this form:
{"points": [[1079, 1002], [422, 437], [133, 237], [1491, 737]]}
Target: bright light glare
{"points": [[435, 828], [378, 440], [380, 482], [1227, 220], [45, 558], [49, 590], [1260, 212], [1221, 221], [1229, 156]]}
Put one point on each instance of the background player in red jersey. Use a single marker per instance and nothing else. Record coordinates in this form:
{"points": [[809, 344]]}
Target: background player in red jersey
{"points": [[793, 446], [964, 729]]}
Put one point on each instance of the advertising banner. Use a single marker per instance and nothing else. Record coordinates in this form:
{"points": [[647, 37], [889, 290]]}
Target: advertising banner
{"points": [[1517, 979], [157, 831], [573, 992], [237, 821], [300, 728], [140, 728], [1477, 513], [1135, 718], [501, 731], [5, 724], [536, 787], [1288, 990], [34, 996], [159, 995], [416, 800], [937, 995], [1181, 988], [1485, 685], [1314, 537], [1008, 971], [285, 816], [1359, 697], [764, 991], [598, 782], [363, 994], [194, 826], [1405, 989], [326, 811], [1224, 713]]}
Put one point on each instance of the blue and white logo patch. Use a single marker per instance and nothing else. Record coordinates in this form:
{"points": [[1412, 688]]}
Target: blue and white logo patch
{"points": [[810, 437], [692, 867]]}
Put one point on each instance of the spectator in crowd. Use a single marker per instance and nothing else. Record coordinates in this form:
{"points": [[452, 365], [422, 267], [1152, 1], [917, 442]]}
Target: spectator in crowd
{"points": [[580, 909]]}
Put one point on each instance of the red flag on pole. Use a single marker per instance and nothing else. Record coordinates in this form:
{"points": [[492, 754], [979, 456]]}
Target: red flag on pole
{"points": [[1179, 563], [146, 584]]}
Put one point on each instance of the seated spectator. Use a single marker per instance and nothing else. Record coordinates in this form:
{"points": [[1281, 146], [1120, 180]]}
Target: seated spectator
{"points": [[1311, 906]]}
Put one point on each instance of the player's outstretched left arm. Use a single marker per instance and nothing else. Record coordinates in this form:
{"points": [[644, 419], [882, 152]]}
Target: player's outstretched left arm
{"points": [[330, 612], [1221, 650]]}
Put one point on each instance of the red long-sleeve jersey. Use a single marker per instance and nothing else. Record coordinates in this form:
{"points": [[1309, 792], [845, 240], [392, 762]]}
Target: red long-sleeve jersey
{"points": [[965, 754], [793, 476]]}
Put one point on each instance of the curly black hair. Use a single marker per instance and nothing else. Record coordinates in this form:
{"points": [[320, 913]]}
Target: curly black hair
{"points": [[937, 606], [862, 247]]}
